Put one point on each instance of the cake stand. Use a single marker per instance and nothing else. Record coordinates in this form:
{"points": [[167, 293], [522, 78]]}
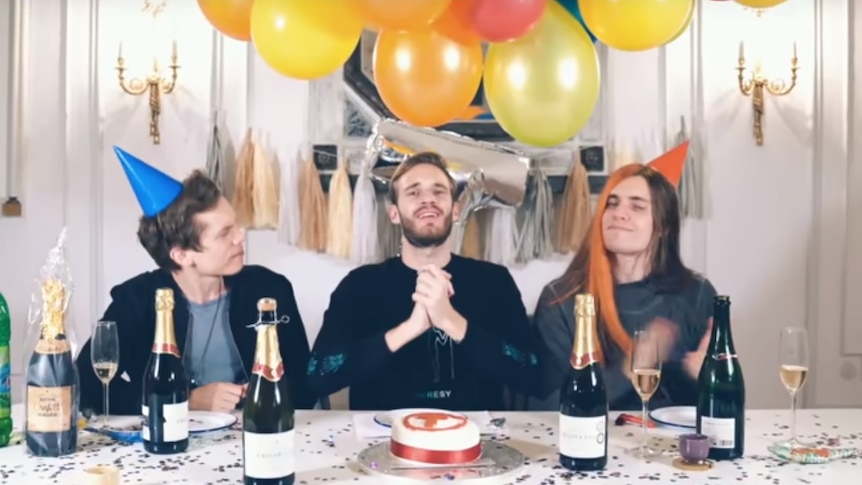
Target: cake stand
{"points": [[497, 460]]}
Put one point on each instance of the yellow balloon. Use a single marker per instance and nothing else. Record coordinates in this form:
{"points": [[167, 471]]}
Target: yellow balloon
{"points": [[305, 39], [684, 27], [760, 3], [635, 25], [542, 88]]}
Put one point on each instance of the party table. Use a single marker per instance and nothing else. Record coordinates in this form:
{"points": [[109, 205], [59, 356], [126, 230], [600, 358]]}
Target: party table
{"points": [[327, 449]]}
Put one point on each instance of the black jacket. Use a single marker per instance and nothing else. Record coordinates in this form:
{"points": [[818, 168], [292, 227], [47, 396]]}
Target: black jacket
{"points": [[133, 308]]}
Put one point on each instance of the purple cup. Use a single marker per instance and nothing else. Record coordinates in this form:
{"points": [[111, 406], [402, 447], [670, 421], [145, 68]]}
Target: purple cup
{"points": [[694, 447]]}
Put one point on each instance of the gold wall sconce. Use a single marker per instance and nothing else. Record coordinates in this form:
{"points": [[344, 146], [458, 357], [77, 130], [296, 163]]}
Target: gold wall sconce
{"points": [[155, 85], [757, 84]]}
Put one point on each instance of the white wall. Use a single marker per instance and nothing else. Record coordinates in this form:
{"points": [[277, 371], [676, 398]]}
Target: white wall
{"points": [[773, 241]]}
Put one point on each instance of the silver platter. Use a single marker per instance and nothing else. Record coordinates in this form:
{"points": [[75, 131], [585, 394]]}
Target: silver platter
{"points": [[497, 460]]}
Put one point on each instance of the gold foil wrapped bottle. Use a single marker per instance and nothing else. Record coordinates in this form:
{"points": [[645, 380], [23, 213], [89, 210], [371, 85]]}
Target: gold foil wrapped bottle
{"points": [[51, 429]]}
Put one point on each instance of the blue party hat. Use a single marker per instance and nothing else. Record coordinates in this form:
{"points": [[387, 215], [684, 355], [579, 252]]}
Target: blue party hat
{"points": [[154, 189]]}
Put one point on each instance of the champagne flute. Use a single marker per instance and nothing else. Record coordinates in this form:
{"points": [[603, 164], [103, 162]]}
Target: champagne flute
{"points": [[646, 375], [105, 356], [793, 371]]}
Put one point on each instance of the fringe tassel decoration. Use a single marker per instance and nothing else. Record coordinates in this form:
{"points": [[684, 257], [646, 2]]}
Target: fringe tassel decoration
{"points": [[388, 234], [501, 236], [471, 239], [264, 190], [365, 244], [215, 156], [691, 185], [338, 242], [536, 237], [289, 222], [312, 206], [244, 185], [575, 213]]}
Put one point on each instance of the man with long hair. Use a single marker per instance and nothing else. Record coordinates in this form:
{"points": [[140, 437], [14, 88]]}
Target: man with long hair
{"points": [[630, 262], [189, 230], [427, 328]]}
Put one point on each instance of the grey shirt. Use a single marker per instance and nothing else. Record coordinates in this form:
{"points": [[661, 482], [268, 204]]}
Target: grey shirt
{"points": [[211, 354], [638, 304]]}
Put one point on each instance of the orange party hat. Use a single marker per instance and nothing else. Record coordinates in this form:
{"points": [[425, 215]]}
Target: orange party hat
{"points": [[672, 163]]}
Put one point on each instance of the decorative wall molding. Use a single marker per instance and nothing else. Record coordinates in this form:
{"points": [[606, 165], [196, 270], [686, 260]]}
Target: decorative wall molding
{"points": [[14, 33], [82, 201], [833, 147], [6, 23]]}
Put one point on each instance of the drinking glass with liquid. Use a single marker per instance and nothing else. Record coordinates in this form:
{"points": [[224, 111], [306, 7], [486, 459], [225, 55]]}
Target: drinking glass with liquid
{"points": [[646, 363], [793, 371], [105, 356]]}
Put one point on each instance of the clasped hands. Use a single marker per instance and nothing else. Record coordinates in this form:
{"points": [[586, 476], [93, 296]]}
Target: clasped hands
{"points": [[433, 307]]}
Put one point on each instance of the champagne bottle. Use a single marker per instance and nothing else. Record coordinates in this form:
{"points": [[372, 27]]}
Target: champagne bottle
{"points": [[52, 382], [165, 403], [268, 421], [583, 430], [721, 390]]}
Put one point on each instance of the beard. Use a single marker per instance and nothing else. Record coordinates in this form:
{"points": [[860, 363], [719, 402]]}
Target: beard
{"points": [[426, 237]]}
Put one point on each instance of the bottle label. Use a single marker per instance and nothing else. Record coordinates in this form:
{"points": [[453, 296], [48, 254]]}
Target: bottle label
{"points": [[5, 379], [582, 437], [52, 346], [269, 455], [721, 431], [171, 349], [49, 409], [175, 422], [582, 361], [270, 373]]}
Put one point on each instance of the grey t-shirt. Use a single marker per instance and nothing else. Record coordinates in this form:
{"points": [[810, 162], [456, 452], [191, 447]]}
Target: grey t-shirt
{"points": [[211, 353], [638, 304]]}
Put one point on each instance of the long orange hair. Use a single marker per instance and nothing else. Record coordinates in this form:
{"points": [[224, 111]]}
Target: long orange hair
{"points": [[590, 269]]}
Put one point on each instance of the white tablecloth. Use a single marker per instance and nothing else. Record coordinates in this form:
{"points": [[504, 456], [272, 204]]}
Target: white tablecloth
{"points": [[327, 448]]}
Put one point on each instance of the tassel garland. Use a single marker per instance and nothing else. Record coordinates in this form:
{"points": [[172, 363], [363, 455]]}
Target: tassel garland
{"points": [[244, 185], [215, 157], [691, 186], [536, 237], [288, 210], [264, 191], [501, 240], [312, 206], [338, 242], [365, 245]]}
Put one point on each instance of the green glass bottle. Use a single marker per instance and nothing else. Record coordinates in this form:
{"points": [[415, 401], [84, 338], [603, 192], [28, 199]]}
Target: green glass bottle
{"points": [[5, 374]]}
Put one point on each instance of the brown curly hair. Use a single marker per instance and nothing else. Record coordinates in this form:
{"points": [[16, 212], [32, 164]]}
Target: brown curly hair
{"points": [[175, 226]]}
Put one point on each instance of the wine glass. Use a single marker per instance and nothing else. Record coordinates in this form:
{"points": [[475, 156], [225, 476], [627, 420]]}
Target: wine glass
{"points": [[793, 371], [105, 356], [646, 375]]}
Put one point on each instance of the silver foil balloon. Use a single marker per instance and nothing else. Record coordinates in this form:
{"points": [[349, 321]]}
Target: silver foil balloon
{"points": [[498, 173]]}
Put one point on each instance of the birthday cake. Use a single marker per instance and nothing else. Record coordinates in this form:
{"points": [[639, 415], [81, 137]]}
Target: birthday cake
{"points": [[436, 437]]}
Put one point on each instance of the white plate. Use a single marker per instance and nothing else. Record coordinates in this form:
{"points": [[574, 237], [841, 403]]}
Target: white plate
{"points": [[128, 428], [385, 418], [679, 416], [207, 421]]}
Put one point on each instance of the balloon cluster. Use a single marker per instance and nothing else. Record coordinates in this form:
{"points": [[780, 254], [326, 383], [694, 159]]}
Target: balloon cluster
{"points": [[540, 71]]}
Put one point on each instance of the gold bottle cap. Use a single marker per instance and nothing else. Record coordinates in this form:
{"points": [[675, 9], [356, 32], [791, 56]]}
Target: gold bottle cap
{"points": [[266, 305], [164, 299], [585, 304]]}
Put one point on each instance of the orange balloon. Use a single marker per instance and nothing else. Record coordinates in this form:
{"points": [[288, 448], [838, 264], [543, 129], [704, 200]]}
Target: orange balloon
{"points": [[455, 22], [230, 17], [424, 78], [399, 14]]}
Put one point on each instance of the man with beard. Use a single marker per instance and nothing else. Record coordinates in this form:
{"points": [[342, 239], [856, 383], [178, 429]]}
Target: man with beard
{"points": [[190, 231], [427, 328]]}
